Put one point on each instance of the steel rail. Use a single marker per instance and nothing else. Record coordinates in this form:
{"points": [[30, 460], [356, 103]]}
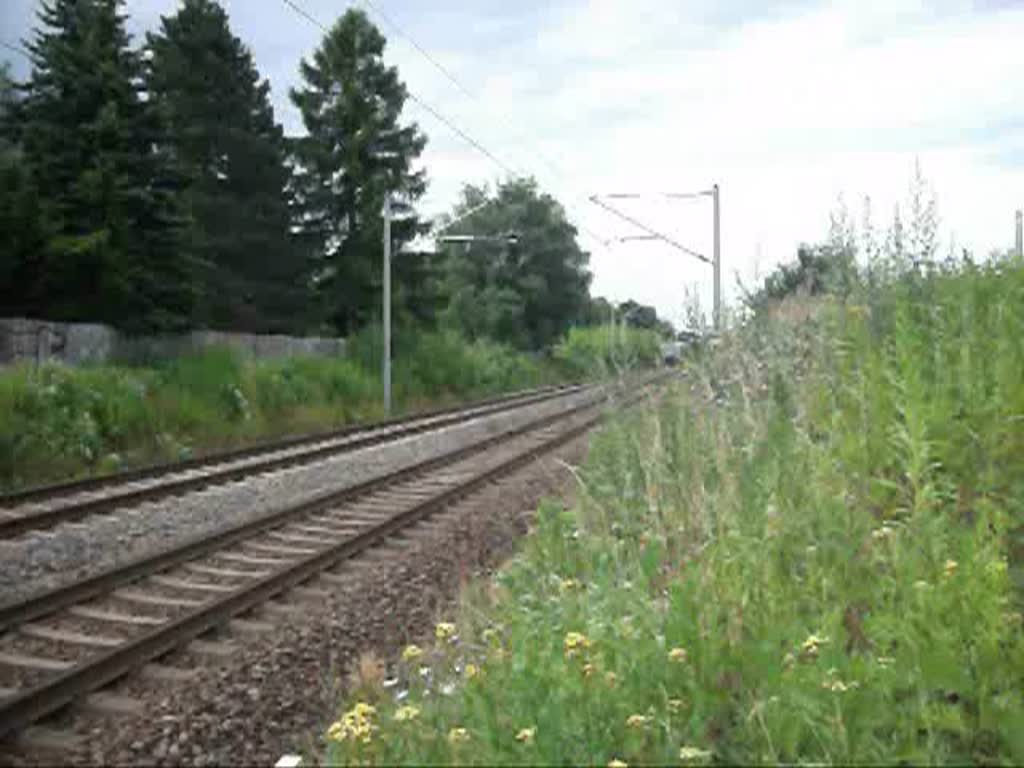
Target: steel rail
{"points": [[50, 601], [44, 699], [51, 490], [15, 526]]}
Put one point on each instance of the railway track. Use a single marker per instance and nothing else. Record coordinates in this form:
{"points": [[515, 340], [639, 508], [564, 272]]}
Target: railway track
{"points": [[44, 507], [59, 647]]}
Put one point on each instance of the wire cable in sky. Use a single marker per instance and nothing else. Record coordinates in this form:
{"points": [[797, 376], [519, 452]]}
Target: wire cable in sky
{"points": [[15, 49], [440, 117], [559, 172], [653, 232]]}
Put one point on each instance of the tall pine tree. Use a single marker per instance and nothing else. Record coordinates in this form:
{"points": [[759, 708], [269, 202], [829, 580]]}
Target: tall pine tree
{"points": [[355, 152], [223, 135], [22, 241], [91, 139]]}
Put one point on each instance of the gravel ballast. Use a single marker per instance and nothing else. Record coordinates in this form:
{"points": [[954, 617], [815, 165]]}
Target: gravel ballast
{"points": [[44, 560], [278, 692]]}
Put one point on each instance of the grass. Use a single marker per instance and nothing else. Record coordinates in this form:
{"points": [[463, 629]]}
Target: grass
{"points": [[58, 422], [813, 552]]}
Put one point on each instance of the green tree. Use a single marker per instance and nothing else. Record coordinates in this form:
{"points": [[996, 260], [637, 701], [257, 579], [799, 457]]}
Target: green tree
{"points": [[527, 292], [224, 138], [93, 144], [355, 153], [21, 237]]}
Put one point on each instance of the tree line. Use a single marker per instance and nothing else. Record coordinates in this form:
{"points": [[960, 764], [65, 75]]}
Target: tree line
{"points": [[151, 188]]}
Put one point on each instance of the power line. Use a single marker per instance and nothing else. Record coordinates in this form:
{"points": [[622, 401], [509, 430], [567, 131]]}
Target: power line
{"points": [[408, 37], [412, 41], [658, 235], [437, 115], [432, 110]]}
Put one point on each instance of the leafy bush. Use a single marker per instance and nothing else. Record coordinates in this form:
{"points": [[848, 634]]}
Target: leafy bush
{"points": [[602, 350], [59, 422]]}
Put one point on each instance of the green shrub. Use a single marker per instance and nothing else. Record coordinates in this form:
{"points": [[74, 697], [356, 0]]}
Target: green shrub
{"points": [[811, 551], [59, 422], [603, 350]]}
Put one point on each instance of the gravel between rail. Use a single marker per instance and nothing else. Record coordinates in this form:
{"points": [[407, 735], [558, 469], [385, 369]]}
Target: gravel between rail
{"points": [[276, 693], [45, 560]]}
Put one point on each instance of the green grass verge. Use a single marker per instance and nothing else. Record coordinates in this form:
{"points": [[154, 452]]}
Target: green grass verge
{"points": [[58, 422], [812, 552]]}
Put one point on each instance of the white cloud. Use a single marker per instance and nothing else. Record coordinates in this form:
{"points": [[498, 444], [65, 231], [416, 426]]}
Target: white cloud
{"points": [[786, 112], [785, 104]]}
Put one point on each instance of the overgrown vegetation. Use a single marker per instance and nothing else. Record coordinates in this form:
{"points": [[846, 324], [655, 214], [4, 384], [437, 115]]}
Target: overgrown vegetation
{"points": [[811, 552], [57, 422]]}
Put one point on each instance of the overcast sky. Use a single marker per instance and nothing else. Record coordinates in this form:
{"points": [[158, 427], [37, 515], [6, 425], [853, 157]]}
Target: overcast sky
{"points": [[786, 105]]}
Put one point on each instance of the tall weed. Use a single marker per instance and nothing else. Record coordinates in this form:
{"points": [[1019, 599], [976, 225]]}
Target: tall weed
{"points": [[812, 551]]}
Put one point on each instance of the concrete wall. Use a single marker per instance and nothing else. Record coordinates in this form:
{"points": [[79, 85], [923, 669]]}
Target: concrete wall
{"points": [[23, 340]]}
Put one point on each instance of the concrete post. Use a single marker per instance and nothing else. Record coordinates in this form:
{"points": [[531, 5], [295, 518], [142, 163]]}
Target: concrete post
{"points": [[386, 373], [717, 262]]}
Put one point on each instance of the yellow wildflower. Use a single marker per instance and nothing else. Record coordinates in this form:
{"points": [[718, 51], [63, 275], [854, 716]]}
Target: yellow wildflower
{"points": [[458, 736], [675, 705], [810, 646], [411, 653], [567, 584], [611, 678], [884, 532], [575, 642], [950, 567], [588, 669], [445, 630], [616, 763], [356, 724], [525, 735], [636, 721], [490, 636], [364, 710], [677, 655], [472, 670], [406, 713], [693, 754]]}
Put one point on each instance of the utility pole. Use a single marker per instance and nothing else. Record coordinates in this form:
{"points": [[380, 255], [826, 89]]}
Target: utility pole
{"points": [[717, 262], [386, 373], [651, 234], [1020, 234]]}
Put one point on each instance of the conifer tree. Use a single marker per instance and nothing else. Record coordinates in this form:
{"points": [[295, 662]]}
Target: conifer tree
{"points": [[92, 143], [224, 138], [356, 151]]}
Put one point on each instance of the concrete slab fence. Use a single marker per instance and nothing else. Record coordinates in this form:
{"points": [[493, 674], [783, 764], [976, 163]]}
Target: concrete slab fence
{"points": [[38, 341]]}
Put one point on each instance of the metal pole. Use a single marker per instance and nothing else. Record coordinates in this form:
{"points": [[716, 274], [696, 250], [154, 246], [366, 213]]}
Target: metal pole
{"points": [[1020, 234], [717, 262], [386, 374]]}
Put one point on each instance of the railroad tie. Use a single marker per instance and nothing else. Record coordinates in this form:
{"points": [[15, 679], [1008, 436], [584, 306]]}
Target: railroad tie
{"points": [[142, 598], [212, 649], [113, 617], [174, 583], [20, 661], [71, 638], [250, 627], [106, 704], [162, 673], [225, 573], [278, 549], [238, 557]]}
